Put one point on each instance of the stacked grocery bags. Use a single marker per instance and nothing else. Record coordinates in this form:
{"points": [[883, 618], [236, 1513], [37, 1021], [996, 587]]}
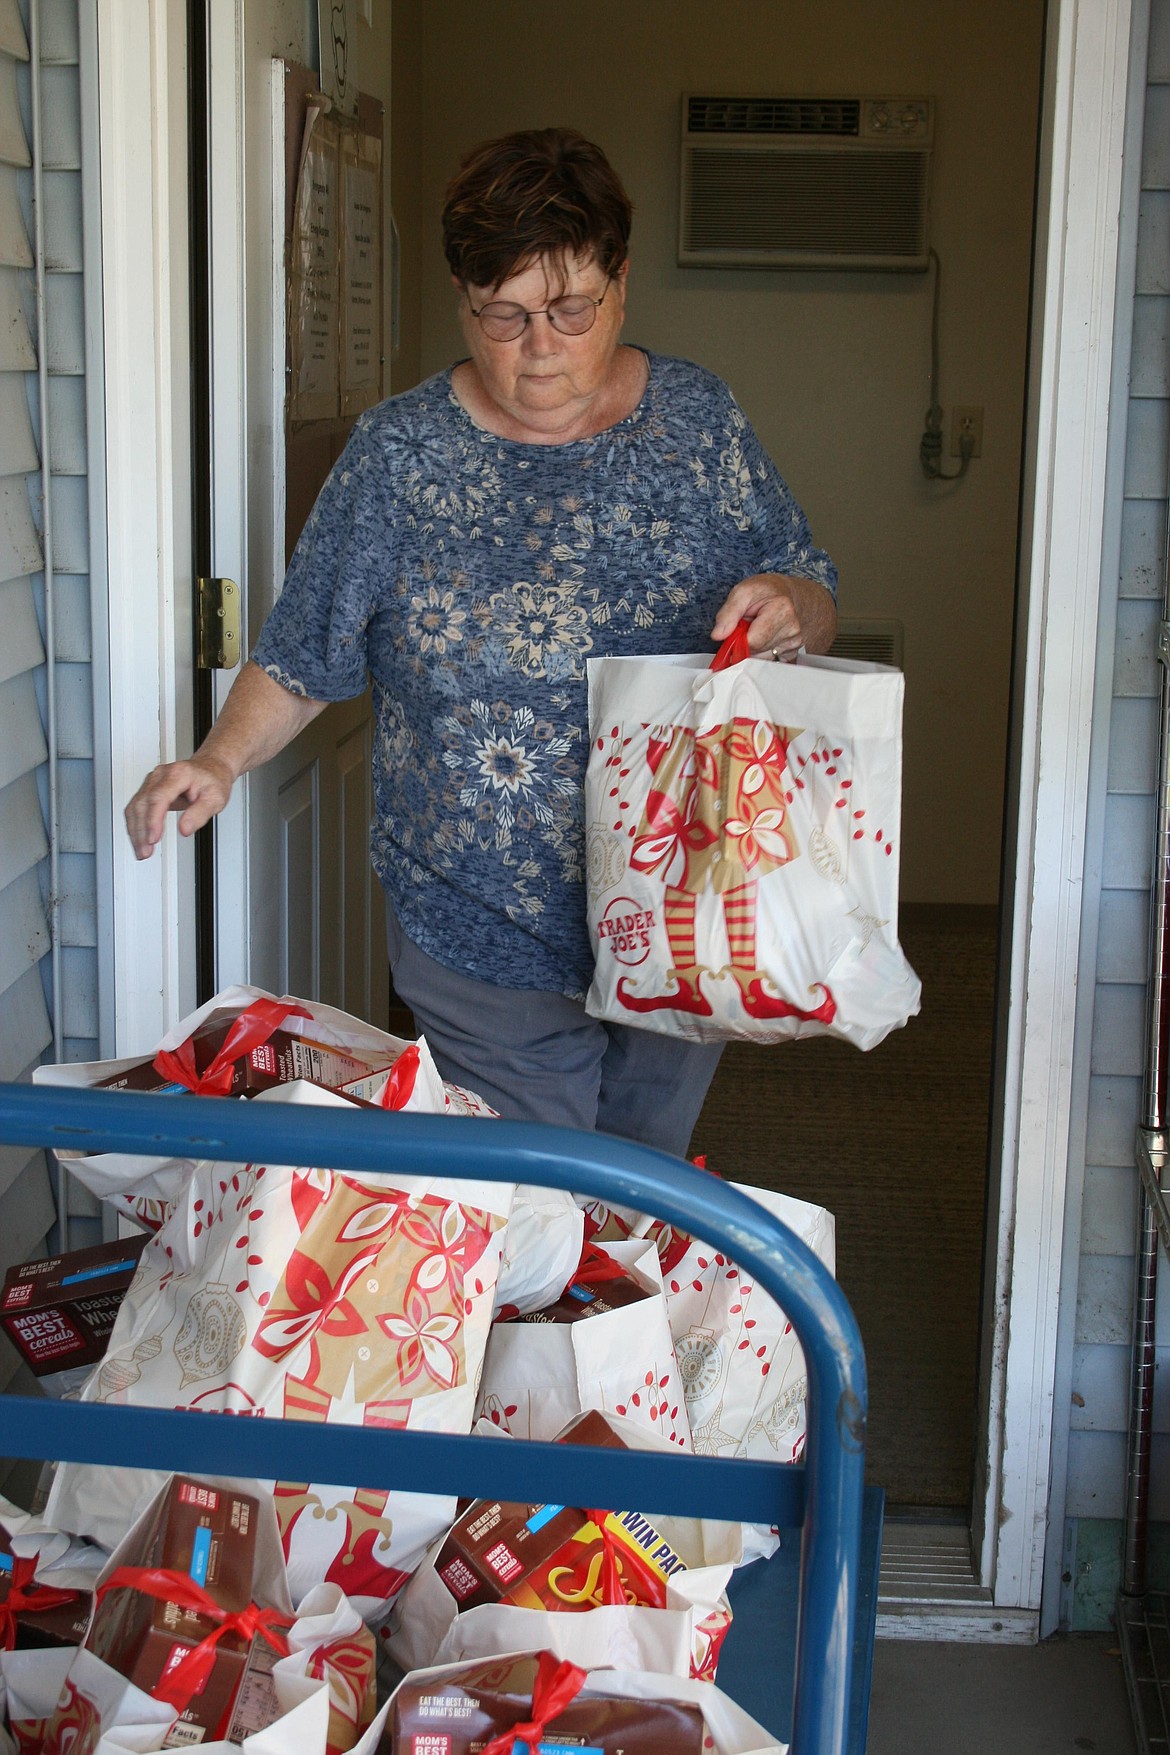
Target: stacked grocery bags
{"points": [[141, 1611]]}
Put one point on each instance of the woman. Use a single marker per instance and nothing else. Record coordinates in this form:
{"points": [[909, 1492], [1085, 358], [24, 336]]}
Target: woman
{"points": [[555, 495]]}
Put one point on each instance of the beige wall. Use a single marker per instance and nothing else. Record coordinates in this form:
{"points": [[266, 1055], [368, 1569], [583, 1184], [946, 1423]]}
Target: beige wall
{"points": [[832, 369]]}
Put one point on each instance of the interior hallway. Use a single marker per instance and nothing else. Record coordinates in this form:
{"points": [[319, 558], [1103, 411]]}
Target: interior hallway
{"points": [[894, 1143]]}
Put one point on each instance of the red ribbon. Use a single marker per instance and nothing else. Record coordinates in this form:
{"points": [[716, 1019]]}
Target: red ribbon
{"points": [[734, 648], [179, 1686], [620, 1558], [557, 1683], [596, 1266], [399, 1087], [20, 1596], [612, 1590], [254, 1025]]}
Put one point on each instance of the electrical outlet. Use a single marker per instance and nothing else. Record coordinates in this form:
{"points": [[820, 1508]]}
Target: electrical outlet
{"points": [[967, 422]]}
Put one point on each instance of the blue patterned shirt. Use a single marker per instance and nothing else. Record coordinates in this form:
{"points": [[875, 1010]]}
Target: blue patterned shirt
{"points": [[470, 577]]}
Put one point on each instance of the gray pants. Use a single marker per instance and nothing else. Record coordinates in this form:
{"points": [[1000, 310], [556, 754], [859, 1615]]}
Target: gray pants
{"points": [[540, 1057]]}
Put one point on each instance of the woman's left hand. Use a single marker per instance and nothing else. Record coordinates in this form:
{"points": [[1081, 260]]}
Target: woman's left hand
{"points": [[786, 613]]}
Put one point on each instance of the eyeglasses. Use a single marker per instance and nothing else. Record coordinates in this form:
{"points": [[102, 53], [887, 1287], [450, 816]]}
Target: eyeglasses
{"points": [[572, 314]]}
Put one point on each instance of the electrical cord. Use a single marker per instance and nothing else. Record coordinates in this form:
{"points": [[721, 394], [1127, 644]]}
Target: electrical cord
{"points": [[931, 443]]}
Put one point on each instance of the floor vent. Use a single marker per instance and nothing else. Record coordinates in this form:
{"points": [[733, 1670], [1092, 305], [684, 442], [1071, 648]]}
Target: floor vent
{"points": [[876, 642]]}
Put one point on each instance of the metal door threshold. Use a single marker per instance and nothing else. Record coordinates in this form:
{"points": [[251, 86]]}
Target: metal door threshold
{"points": [[927, 1588]]}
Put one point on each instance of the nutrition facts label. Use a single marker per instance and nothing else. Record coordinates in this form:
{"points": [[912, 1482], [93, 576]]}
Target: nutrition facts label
{"points": [[256, 1703]]}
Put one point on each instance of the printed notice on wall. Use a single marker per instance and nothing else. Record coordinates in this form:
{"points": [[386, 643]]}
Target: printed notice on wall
{"points": [[337, 39], [315, 290], [361, 274]]}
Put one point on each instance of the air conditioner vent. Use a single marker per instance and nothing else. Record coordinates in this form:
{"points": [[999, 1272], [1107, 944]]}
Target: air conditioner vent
{"points": [[724, 115], [815, 203], [872, 641], [805, 182]]}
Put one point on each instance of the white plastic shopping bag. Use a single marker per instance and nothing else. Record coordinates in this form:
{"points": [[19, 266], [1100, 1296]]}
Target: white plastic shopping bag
{"points": [[742, 1366], [330, 1642], [683, 1638], [542, 1246], [60, 1561], [142, 1186], [729, 1730], [94, 1707], [92, 1710], [538, 1376], [71, 1703], [743, 828], [315, 1699], [308, 1294]]}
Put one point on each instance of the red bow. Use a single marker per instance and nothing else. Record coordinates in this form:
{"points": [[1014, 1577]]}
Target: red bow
{"points": [[557, 1683], [253, 1026], [20, 1596], [596, 1266], [178, 1686]]}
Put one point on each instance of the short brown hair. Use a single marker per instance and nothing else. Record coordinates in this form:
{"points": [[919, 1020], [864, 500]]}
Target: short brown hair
{"points": [[539, 192]]}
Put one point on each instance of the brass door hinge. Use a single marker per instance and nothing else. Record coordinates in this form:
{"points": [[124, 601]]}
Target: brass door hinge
{"points": [[217, 624]]}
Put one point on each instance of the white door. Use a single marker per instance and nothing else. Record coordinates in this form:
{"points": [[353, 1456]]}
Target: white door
{"points": [[297, 907]]}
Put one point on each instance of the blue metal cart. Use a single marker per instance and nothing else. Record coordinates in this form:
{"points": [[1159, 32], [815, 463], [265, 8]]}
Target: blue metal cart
{"points": [[799, 1653]]}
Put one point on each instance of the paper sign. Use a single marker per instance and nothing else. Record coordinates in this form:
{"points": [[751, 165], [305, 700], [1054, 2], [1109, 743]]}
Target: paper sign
{"points": [[361, 282], [315, 280]]}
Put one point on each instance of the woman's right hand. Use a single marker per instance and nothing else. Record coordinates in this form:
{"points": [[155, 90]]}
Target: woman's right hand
{"points": [[259, 717], [199, 788]]}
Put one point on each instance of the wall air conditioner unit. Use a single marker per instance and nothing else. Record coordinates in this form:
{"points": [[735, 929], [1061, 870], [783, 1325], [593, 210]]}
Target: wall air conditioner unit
{"points": [[804, 182], [875, 640]]}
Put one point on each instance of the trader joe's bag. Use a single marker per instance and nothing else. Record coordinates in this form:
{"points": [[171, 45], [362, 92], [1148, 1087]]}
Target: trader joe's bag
{"points": [[315, 1699], [741, 1365], [682, 1638], [728, 1730], [309, 1294], [71, 1703], [319, 1697], [141, 1186], [67, 1702], [538, 1375], [743, 827]]}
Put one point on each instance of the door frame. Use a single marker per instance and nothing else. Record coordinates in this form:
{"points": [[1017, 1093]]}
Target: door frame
{"points": [[137, 336], [235, 551], [1083, 127], [1040, 1093]]}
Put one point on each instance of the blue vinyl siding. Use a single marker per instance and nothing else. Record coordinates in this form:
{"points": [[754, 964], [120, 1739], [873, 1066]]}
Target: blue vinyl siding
{"points": [[1101, 1364], [26, 1203]]}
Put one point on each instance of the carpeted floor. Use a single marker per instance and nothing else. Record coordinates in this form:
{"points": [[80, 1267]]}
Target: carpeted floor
{"points": [[894, 1143]]}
